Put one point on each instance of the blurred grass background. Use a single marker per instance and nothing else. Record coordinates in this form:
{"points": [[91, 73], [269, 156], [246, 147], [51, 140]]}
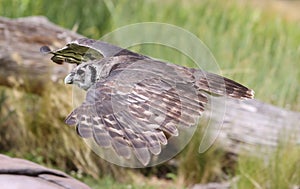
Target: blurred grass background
{"points": [[255, 47]]}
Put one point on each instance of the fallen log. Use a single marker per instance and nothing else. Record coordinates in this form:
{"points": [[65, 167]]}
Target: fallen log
{"points": [[21, 63], [251, 125]]}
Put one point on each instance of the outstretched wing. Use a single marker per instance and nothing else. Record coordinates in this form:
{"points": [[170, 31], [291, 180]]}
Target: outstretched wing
{"points": [[141, 104], [84, 49]]}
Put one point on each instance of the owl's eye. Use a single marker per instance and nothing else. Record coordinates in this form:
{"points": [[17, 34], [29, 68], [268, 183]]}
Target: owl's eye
{"points": [[80, 72]]}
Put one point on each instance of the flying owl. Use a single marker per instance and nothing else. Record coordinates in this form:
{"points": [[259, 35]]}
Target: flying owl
{"points": [[133, 102]]}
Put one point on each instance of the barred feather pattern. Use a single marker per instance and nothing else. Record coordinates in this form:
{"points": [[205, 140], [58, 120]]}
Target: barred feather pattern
{"points": [[142, 102], [134, 104]]}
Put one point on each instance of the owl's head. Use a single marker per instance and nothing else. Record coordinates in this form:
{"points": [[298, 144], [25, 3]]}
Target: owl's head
{"points": [[84, 75]]}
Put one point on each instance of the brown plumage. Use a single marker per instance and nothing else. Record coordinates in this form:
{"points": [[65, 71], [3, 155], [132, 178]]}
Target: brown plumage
{"points": [[134, 103]]}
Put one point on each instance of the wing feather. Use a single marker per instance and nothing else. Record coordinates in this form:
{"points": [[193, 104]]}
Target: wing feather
{"points": [[140, 105]]}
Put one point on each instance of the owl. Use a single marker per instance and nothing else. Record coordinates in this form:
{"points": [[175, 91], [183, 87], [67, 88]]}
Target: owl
{"points": [[135, 103]]}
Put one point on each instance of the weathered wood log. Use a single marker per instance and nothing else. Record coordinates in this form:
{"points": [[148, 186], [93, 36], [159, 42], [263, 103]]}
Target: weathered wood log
{"points": [[19, 173], [251, 125], [21, 63]]}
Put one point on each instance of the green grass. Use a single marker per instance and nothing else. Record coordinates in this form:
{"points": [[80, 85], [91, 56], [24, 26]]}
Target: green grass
{"points": [[202, 168], [108, 182], [89, 17], [256, 48], [280, 169]]}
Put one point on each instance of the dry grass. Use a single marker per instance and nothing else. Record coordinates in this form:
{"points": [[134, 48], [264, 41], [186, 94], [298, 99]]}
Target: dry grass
{"points": [[37, 132]]}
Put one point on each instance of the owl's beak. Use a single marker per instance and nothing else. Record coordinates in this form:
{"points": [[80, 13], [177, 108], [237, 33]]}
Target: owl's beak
{"points": [[69, 79]]}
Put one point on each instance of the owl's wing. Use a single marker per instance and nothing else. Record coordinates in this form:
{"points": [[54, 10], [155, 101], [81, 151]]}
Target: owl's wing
{"points": [[84, 49], [141, 105]]}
